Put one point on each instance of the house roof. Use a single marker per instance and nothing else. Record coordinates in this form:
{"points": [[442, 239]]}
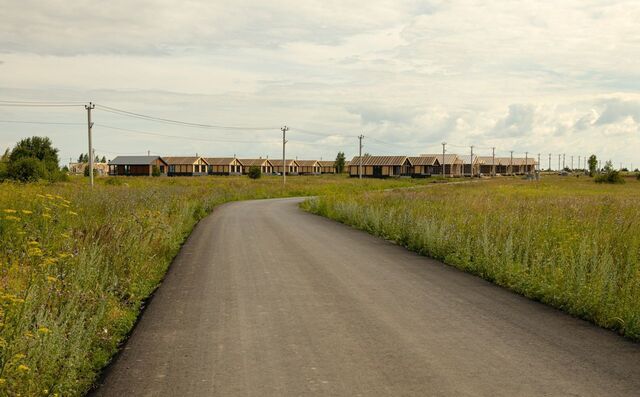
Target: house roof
{"points": [[380, 160], [182, 160], [254, 162], [449, 158], [516, 161], [288, 162], [424, 160], [135, 160], [308, 163], [327, 163], [221, 160]]}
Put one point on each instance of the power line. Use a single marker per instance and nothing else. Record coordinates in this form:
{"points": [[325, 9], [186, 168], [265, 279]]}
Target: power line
{"points": [[177, 122], [38, 122]]}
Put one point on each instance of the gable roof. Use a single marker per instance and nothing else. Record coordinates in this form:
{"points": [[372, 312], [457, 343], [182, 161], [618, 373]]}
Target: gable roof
{"points": [[221, 160], [424, 160], [308, 163], [254, 162], [449, 158], [135, 160], [288, 162], [182, 160], [380, 160], [327, 163]]}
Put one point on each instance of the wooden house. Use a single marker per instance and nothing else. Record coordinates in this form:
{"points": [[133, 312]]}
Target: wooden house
{"points": [[224, 166], [309, 167], [266, 167], [469, 169], [488, 165], [423, 166], [345, 170], [292, 167], [137, 165], [380, 166], [451, 162], [515, 166], [186, 166], [327, 167]]}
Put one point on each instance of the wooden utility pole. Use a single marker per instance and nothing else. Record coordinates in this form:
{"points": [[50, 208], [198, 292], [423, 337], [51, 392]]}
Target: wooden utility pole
{"points": [[471, 163], [444, 144], [493, 161], [89, 108], [284, 144], [360, 156], [549, 161], [511, 164], [526, 162]]}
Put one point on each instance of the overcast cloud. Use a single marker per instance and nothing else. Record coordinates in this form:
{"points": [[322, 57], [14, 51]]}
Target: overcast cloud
{"points": [[544, 76]]}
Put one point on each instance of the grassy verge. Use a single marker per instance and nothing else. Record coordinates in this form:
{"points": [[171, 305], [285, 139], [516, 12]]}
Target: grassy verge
{"points": [[564, 241], [76, 264]]}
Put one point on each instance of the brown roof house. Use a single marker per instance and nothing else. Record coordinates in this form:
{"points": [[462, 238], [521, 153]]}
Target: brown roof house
{"points": [[137, 165], [451, 162], [423, 166], [224, 166], [186, 166], [292, 166], [309, 167], [265, 165], [380, 166], [327, 167]]}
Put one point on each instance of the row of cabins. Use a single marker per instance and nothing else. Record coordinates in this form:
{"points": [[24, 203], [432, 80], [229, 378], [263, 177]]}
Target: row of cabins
{"points": [[427, 165], [194, 166]]}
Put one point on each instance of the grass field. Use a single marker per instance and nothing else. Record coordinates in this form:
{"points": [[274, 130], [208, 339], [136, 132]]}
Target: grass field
{"points": [[77, 264], [567, 241]]}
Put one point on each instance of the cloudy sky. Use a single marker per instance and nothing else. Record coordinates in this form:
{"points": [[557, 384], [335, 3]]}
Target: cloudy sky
{"points": [[543, 77]]}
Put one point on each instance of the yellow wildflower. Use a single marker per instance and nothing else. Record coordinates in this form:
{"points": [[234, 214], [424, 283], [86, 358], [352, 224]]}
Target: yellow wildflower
{"points": [[51, 279], [34, 251], [63, 255], [44, 330], [23, 368], [33, 243], [3, 343], [11, 218], [26, 212], [72, 213], [46, 216], [2, 381], [65, 235], [19, 356], [10, 211], [28, 334], [39, 195], [59, 197]]}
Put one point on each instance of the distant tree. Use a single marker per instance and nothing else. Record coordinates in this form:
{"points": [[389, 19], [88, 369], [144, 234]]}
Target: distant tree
{"points": [[65, 169], [86, 171], [27, 169], [255, 172], [103, 159], [97, 159], [593, 165], [339, 164], [366, 155], [625, 169], [155, 170], [81, 158], [609, 175], [34, 158], [4, 162]]}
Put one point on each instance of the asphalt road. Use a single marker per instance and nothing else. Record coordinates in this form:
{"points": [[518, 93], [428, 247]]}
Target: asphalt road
{"points": [[266, 300]]}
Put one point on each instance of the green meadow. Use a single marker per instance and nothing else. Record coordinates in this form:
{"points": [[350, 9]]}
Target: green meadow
{"points": [[565, 241]]}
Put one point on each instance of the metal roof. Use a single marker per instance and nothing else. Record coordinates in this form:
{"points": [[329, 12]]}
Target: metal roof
{"points": [[308, 163], [327, 163], [182, 160], [449, 158], [220, 160], [288, 162], [424, 160], [380, 160], [135, 160], [254, 162]]}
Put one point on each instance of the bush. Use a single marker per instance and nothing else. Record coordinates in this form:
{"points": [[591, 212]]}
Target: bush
{"points": [[638, 176], [26, 169], [86, 171], [254, 172], [610, 176], [155, 170]]}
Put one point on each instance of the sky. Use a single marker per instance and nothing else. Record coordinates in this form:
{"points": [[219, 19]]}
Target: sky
{"points": [[538, 77]]}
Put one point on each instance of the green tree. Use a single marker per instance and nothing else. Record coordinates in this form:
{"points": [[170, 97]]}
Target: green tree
{"points": [[27, 169], [81, 158], [254, 172], [103, 159], [339, 164], [34, 158], [593, 165], [4, 162], [155, 170], [86, 171]]}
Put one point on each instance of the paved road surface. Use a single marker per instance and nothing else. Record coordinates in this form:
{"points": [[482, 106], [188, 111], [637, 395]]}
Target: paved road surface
{"points": [[266, 300]]}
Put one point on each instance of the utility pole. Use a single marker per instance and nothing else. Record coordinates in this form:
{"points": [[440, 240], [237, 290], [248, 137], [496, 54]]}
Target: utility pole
{"points": [[493, 161], [539, 165], [526, 162], [471, 163], [564, 165], [284, 144], [579, 161], [549, 162], [360, 137], [571, 163], [511, 164], [559, 162], [89, 108], [443, 151]]}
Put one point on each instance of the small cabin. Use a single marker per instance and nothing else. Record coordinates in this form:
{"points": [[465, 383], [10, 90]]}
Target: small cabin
{"points": [[186, 166], [380, 166], [309, 167], [224, 166], [327, 167], [451, 163], [423, 166], [292, 167], [265, 165], [137, 165]]}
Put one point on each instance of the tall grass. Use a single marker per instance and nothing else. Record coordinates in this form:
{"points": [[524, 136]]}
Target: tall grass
{"points": [[77, 264], [564, 241]]}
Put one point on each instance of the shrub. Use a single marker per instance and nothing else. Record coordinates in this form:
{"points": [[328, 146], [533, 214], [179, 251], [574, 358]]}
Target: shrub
{"points": [[610, 176], [638, 176], [26, 169], [86, 171], [254, 172], [155, 171]]}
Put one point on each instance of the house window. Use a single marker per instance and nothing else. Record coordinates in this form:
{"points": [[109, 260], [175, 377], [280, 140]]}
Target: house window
{"points": [[162, 169]]}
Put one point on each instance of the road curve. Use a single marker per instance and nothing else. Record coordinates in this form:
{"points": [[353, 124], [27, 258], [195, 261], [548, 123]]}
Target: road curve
{"points": [[266, 300]]}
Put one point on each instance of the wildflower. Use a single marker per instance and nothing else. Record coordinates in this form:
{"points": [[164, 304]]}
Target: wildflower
{"points": [[44, 330], [23, 368], [34, 251], [22, 233], [65, 235], [63, 255], [27, 212], [11, 218], [46, 216], [9, 211], [3, 343], [28, 334], [51, 279], [39, 195], [19, 356], [33, 243], [72, 213], [2, 381]]}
